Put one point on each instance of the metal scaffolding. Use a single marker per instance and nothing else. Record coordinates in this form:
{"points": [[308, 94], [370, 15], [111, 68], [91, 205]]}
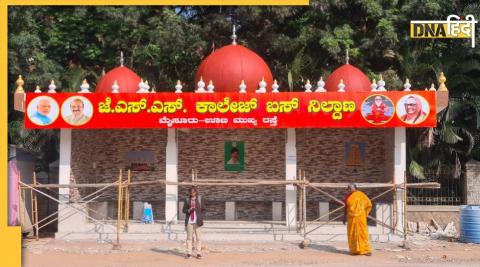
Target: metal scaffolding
{"points": [[124, 186]]}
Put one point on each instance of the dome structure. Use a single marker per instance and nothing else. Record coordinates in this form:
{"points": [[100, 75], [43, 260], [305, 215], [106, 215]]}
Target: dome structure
{"points": [[125, 80], [231, 64], [353, 78]]}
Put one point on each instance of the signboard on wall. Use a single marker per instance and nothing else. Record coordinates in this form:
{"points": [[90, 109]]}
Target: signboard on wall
{"points": [[231, 110], [140, 160], [234, 156]]}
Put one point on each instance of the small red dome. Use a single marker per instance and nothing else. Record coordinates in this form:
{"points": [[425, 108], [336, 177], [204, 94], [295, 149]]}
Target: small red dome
{"points": [[231, 64], [125, 77], [354, 79]]}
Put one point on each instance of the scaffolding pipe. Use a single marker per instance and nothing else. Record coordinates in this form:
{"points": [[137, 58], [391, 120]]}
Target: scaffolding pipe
{"points": [[127, 201], [119, 211]]}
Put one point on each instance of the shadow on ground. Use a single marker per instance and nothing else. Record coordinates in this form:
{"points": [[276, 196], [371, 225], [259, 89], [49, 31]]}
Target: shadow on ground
{"points": [[330, 249], [169, 251]]}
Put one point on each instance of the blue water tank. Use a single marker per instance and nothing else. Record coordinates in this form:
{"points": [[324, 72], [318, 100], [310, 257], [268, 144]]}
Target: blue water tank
{"points": [[470, 223]]}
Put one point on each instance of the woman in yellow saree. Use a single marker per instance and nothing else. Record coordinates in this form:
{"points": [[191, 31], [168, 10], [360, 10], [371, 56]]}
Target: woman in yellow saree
{"points": [[357, 208]]}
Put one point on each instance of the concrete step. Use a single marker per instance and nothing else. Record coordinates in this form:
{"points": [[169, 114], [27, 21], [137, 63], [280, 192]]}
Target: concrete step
{"points": [[218, 231]]}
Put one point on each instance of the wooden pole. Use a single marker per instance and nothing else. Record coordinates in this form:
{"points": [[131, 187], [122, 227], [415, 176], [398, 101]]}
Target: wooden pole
{"points": [[35, 202], [240, 182], [24, 202], [32, 210], [119, 210], [405, 245], [127, 201], [304, 208], [305, 243], [300, 201], [20, 204], [394, 208]]}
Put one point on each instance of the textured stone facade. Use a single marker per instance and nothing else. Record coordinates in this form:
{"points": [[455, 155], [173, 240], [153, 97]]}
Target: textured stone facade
{"points": [[473, 183], [321, 152], [98, 155], [264, 159]]}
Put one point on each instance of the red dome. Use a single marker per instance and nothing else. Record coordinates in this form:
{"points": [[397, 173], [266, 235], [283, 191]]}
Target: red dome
{"points": [[354, 79], [125, 77], [231, 64]]}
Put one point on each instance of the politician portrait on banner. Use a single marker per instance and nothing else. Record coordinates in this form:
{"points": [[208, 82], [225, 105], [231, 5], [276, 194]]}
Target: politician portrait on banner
{"points": [[234, 155], [413, 109], [42, 110], [77, 110]]}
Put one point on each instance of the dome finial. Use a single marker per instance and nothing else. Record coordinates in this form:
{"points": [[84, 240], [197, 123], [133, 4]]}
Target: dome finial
{"points": [[442, 79], [407, 85], [20, 84], [52, 87], [178, 87], [374, 85], [242, 87], [262, 86], [234, 35], [347, 58], [115, 87], [210, 87], [381, 84], [84, 87], [200, 86], [341, 86], [320, 85], [308, 86], [121, 58], [275, 86]]}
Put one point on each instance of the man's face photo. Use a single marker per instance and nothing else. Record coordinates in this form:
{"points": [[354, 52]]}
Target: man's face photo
{"points": [[411, 105], [44, 107], [76, 107], [234, 155]]}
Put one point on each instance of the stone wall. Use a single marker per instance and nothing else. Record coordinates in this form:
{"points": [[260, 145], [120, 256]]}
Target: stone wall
{"points": [[264, 159], [321, 153], [472, 193], [253, 210], [98, 155]]}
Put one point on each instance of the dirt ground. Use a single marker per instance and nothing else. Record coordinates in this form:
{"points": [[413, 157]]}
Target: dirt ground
{"points": [[423, 251]]}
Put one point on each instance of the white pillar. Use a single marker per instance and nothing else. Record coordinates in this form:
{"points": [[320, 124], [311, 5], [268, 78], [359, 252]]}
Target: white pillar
{"points": [[64, 162], [69, 219], [137, 210], [171, 196], [276, 211], [230, 211], [324, 208], [291, 174], [400, 156], [181, 215]]}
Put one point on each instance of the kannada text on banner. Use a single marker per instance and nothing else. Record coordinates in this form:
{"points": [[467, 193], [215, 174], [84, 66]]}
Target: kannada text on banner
{"points": [[231, 110]]}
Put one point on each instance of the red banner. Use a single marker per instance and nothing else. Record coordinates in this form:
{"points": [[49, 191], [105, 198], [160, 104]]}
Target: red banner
{"points": [[231, 110]]}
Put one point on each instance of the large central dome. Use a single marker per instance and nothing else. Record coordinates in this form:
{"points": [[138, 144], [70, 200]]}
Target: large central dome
{"points": [[125, 77], [354, 79], [231, 64]]}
